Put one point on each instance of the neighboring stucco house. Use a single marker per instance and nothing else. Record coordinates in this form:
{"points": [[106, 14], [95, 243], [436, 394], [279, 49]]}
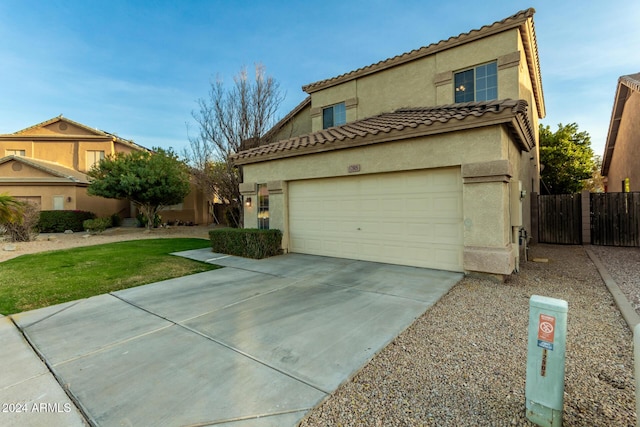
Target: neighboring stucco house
{"points": [[622, 151], [46, 165], [426, 159]]}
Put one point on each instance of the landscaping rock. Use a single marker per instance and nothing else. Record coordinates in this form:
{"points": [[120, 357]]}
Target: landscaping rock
{"points": [[10, 248], [68, 231], [463, 363]]}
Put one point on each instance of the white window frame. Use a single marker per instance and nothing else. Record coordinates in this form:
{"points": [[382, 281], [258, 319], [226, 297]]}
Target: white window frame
{"points": [[93, 154], [19, 153]]}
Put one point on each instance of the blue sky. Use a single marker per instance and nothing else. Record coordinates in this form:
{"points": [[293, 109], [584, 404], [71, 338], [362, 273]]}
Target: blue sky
{"points": [[137, 68]]}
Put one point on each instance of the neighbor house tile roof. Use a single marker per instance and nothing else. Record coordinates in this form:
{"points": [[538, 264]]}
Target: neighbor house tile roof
{"points": [[626, 84], [521, 20], [402, 124], [58, 172], [27, 132]]}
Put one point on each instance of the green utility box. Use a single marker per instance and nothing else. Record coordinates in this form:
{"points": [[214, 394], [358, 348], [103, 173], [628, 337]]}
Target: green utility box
{"points": [[544, 391]]}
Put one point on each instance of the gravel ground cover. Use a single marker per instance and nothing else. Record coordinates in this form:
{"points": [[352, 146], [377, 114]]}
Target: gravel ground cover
{"points": [[623, 264], [463, 363]]}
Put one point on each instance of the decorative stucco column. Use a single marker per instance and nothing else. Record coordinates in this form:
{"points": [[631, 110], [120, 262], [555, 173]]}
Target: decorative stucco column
{"points": [[249, 189], [487, 221]]}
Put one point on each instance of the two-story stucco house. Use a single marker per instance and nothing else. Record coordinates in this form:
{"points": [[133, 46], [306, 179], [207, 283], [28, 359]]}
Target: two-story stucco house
{"points": [[427, 158], [46, 165], [622, 150]]}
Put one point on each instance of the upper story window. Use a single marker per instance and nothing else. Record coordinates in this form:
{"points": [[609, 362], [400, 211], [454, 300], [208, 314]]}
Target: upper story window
{"points": [[477, 84], [94, 157], [21, 153], [335, 115]]}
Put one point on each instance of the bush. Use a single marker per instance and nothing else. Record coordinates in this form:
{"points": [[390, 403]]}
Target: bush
{"points": [[246, 242], [116, 220], [142, 220], [97, 225], [60, 221], [231, 216], [24, 228]]}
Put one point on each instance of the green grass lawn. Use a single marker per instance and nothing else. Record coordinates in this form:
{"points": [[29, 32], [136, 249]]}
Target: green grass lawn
{"points": [[39, 280]]}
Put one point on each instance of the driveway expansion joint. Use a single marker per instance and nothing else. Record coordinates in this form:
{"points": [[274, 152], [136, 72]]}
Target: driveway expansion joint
{"points": [[203, 335], [76, 402]]}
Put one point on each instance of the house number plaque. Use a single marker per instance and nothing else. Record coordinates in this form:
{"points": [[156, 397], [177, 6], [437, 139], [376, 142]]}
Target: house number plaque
{"points": [[353, 168]]}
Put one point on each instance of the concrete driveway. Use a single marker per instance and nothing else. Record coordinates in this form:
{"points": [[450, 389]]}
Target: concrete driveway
{"points": [[258, 343]]}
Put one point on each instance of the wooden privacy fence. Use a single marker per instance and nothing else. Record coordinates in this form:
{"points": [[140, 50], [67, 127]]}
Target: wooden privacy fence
{"points": [[606, 219], [615, 219], [560, 219]]}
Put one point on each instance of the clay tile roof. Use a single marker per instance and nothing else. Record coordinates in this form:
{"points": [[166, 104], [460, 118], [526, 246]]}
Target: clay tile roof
{"points": [[96, 132], [499, 26], [395, 125], [632, 81], [57, 171]]}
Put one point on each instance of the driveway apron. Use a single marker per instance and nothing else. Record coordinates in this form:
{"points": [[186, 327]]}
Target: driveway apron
{"points": [[257, 343]]}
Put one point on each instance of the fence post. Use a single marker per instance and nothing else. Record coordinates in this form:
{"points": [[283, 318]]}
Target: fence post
{"points": [[586, 217], [534, 218]]}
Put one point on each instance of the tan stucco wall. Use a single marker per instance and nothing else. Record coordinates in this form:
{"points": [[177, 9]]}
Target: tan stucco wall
{"points": [[413, 84], [71, 152], [101, 206], [75, 198], [300, 124], [486, 204], [626, 154], [60, 128], [194, 209], [25, 171]]}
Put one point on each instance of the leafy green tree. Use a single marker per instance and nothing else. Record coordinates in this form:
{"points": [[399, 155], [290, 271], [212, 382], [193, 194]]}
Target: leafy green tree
{"points": [[150, 181], [10, 209], [567, 158], [595, 183]]}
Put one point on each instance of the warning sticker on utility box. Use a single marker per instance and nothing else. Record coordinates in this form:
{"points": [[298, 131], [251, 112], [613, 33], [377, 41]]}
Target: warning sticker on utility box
{"points": [[546, 330]]}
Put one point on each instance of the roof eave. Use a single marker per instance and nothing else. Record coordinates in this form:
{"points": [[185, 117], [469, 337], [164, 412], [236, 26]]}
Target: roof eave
{"points": [[514, 120], [515, 21], [622, 94]]}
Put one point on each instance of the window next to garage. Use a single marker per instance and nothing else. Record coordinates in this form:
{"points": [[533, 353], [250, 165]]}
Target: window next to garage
{"points": [[477, 84], [263, 207], [334, 115]]}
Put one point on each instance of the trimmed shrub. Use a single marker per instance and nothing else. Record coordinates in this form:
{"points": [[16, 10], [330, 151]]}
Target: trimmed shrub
{"points": [[246, 242], [97, 225], [116, 220], [60, 221]]}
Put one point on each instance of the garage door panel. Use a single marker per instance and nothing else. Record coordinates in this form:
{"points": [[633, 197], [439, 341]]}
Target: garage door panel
{"points": [[409, 218]]}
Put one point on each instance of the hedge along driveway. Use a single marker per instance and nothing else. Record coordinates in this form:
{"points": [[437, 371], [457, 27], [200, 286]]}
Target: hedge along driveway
{"points": [[246, 242], [39, 280]]}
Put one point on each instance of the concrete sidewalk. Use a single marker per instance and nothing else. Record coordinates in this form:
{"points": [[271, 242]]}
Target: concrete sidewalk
{"points": [[258, 343]]}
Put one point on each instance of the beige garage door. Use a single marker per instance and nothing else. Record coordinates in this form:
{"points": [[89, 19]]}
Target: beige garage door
{"points": [[409, 218]]}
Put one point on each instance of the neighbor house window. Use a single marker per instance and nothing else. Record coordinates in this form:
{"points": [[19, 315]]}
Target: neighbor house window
{"points": [[263, 207], [20, 153], [335, 115], [93, 158], [477, 84], [58, 203]]}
